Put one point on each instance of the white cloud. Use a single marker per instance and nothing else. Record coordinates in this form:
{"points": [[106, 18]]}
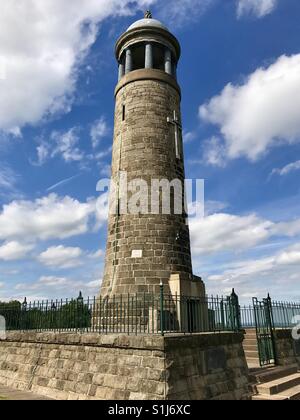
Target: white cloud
{"points": [[99, 130], [44, 282], [97, 255], [290, 256], [214, 152], [258, 8], [100, 155], [63, 144], [45, 218], [12, 251], [262, 113], [8, 178], [94, 285], [66, 145], [105, 170], [189, 136], [50, 281], [177, 12], [53, 287], [212, 206], [290, 228], [42, 44], [61, 257], [225, 232], [291, 167], [42, 153], [276, 274]]}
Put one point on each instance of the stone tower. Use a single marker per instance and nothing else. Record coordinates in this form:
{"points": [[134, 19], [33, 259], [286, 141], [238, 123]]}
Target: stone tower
{"points": [[149, 247]]}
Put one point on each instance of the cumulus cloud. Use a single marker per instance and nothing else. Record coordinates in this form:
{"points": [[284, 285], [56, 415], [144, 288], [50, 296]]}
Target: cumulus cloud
{"points": [[45, 218], [66, 145], [8, 178], [97, 255], [42, 44], [62, 144], [61, 257], [213, 206], [52, 287], [52, 281], [258, 8], [189, 136], [221, 232], [225, 232], [290, 228], [43, 282], [290, 256], [287, 257], [260, 114], [214, 152], [178, 12], [291, 167], [277, 273], [12, 251], [99, 130]]}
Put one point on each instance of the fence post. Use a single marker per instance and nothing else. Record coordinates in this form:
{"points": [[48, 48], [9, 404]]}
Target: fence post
{"points": [[236, 311], [270, 320], [23, 315], [79, 310], [162, 308]]}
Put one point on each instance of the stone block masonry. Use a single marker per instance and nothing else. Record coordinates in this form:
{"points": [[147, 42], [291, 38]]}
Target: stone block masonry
{"points": [[145, 249], [287, 349], [98, 367]]}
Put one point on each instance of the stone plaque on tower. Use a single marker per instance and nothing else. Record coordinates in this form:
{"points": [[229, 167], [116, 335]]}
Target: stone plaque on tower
{"points": [[148, 247]]}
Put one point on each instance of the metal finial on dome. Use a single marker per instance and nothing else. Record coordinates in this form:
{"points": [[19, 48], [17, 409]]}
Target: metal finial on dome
{"points": [[148, 14]]}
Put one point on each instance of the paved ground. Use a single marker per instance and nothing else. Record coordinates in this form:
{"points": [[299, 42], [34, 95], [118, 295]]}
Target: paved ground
{"points": [[15, 395]]}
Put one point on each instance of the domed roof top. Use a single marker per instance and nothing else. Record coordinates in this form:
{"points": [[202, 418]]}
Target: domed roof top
{"points": [[147, 22]]}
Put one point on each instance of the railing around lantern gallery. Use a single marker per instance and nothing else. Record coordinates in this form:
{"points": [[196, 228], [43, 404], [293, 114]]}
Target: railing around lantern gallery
{"points": [[126, 314]]}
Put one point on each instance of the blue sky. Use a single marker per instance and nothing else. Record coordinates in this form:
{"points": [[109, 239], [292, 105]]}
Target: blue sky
{"points": [[240, 79]]}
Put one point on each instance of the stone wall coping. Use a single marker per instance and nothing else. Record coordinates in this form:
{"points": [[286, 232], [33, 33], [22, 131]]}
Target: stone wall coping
{"points": [[145, 342], [147, 74]]}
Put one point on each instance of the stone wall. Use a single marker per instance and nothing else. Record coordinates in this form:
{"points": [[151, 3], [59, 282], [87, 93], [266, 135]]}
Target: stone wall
{"points": [[91, 366], [287, 349], [207, 366]]}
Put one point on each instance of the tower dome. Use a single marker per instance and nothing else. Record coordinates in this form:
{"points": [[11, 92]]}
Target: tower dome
{"points": [[148, 23]]}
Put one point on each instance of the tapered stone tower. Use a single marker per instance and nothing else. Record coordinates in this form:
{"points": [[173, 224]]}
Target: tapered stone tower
{"points": [[144, 249]]}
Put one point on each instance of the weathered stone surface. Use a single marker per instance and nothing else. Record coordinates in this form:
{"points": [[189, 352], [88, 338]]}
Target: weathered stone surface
{"points": [[287, 349], [140, 367], [144, 148]]}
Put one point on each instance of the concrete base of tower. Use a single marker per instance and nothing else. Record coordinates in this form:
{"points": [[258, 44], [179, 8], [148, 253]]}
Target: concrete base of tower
{"points": [[189, 300], [182, 285]]}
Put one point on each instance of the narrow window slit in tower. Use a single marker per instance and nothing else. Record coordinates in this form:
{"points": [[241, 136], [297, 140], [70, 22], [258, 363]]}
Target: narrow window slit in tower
{"points": [[123, 113]]}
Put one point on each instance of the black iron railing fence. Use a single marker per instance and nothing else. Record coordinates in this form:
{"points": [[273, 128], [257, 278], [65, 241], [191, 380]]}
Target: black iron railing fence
{"points": [[143, 314], [284, 314], [126, 314]]}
